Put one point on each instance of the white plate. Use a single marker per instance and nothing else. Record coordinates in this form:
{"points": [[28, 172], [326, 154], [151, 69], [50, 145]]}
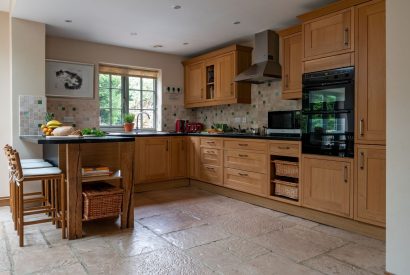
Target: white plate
{"points": [[89, 135], [57, 137]]}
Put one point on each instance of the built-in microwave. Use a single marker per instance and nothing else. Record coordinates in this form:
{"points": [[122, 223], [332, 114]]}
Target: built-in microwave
{"points": [[284, 123]]}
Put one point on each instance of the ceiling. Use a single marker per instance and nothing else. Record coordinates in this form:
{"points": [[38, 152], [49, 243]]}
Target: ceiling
{"points": [[144, 23]]}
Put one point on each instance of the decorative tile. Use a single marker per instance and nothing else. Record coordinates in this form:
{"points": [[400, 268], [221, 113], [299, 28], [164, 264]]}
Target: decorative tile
{"points": [[32, 112]]}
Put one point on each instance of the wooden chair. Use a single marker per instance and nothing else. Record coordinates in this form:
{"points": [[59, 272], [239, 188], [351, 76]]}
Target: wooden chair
{"points": [[54, 182], [26, 164]]}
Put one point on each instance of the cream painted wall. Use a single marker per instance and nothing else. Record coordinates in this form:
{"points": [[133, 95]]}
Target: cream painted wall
{"points": [[398, 131], [94, 53], [28, 74], [5, 93]]}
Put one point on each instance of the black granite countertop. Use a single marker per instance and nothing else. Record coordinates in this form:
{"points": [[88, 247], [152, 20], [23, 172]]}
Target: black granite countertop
{"points": [[223, 135], [71, 140]]}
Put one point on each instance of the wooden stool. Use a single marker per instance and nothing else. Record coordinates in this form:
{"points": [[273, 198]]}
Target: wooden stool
{"points": [[54, 182]]}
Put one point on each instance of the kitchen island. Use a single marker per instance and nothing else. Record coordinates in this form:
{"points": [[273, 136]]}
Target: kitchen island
{"points": [[70, 154]]}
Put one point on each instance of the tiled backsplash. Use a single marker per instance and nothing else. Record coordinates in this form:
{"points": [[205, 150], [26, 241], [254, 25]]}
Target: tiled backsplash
{"points": [[265, 98], [32, 113]]}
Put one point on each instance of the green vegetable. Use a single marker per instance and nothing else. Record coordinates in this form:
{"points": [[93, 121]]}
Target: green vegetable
{"points": [[129, 118], [93, 131]]}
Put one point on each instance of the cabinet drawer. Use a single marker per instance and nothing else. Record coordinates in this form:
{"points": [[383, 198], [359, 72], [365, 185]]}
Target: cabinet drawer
{"points": [[284, 149], [245, 144], [244, 160], [249, 182], [211, 174], [211, 142], [211, 156]]}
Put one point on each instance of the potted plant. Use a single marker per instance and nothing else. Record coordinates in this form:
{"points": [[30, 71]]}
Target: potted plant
{"points": [[128, 122]]}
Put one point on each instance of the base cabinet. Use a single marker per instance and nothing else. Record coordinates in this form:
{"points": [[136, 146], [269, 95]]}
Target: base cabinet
{"points": [[194, 152], [179, 155], [327, 184], [370, 198]]}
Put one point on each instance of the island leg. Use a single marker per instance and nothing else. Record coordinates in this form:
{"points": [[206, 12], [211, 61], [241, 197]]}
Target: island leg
{"points": [[127, 168], [74, 191]]}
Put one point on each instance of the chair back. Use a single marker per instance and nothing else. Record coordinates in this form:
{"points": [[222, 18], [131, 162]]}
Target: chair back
{"points": [[16, 166]]}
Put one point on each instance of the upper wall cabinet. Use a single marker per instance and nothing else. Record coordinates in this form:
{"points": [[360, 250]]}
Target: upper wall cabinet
{"points": [[209, 78], [329, 35], [371, 73], [291, 61]]}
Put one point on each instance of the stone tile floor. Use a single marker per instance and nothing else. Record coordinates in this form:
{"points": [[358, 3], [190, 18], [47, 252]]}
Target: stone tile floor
{"points": [[190, 231]]}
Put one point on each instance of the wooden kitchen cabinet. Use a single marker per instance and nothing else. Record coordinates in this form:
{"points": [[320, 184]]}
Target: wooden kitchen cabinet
{"points": [[179, 155], [327, 184], [371, 73], [329, 35], [194, 83], [152, 159], [291, 53], [210, 78], [194, 157], [370, 189]]}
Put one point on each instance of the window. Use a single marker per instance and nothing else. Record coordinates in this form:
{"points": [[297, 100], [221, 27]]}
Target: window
{"points": [[124, 90]]}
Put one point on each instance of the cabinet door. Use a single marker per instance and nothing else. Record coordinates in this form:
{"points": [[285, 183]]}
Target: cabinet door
{"points": [[179, 154], [194, 155], [225, 77], [328, 35], [292, 66], [371, 72], [194, 82], [152, 159], [327, 185], [371, 185]]}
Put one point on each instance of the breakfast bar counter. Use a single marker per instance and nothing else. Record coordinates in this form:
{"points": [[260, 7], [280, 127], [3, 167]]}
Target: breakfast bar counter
{"points": [[70, 154]]}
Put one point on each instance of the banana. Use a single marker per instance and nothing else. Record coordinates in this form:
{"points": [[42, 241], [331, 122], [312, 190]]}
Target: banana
{"points": [[54, 123]]}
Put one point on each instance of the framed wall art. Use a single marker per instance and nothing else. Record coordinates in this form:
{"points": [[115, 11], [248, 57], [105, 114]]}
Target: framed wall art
{"points": [[69, 79]]}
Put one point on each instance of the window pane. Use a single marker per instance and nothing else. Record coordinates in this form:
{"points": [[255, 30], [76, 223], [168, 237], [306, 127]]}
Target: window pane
{"points": [[136, 112], [104, 95], [134, 83], [148, 100], [148, 84], [148, 122], [104, 117], [116, 98], [134, 99], [116, 81], [104, 80], [116, 117]]}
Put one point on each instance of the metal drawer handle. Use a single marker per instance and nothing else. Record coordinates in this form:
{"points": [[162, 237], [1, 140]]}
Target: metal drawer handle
{"points": [[243, 144], [211, 152], [361, 125], [346, 37], [243, 175], [210, 142], [243, 156], [345, 174], [284, 147], [210, 168], [361, 160]]}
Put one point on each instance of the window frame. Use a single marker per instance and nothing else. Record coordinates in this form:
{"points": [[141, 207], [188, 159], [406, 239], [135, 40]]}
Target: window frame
{"points": [[125, 108]]}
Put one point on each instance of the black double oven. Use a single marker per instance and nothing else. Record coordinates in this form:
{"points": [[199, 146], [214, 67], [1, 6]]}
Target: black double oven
{"points": [[327, 120]]}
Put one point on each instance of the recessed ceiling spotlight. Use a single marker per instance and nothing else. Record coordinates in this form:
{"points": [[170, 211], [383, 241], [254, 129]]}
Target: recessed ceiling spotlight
{"points": [[68, 21], [237, 22], [157, 46], [133, 33], [176, 7], [185, 43]]}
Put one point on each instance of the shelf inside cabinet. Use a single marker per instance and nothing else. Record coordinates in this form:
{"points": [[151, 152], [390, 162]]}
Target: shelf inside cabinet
{"points": [[114, 176], [284, 181]]}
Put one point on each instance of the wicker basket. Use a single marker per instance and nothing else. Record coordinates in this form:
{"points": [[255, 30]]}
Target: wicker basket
{"points": [[286, 168], [101, 201], [286, 189]]}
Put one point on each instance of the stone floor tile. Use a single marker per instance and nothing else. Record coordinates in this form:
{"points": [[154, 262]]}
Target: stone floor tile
{"points": [[298, 243], [195, 236], [352, 237], [172, 221], [42, 258], [241, 248], [362, 256], [331, 266], [160, 262], [299, 221], [5, 264], [276, 264], [76, 269]]}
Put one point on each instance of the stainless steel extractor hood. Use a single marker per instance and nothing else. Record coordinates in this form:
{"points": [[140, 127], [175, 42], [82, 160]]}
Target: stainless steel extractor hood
{"points": [[266, 65]]}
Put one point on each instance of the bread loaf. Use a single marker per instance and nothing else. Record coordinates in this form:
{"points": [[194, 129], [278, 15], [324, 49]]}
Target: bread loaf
{"points": [[63, 131]]}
